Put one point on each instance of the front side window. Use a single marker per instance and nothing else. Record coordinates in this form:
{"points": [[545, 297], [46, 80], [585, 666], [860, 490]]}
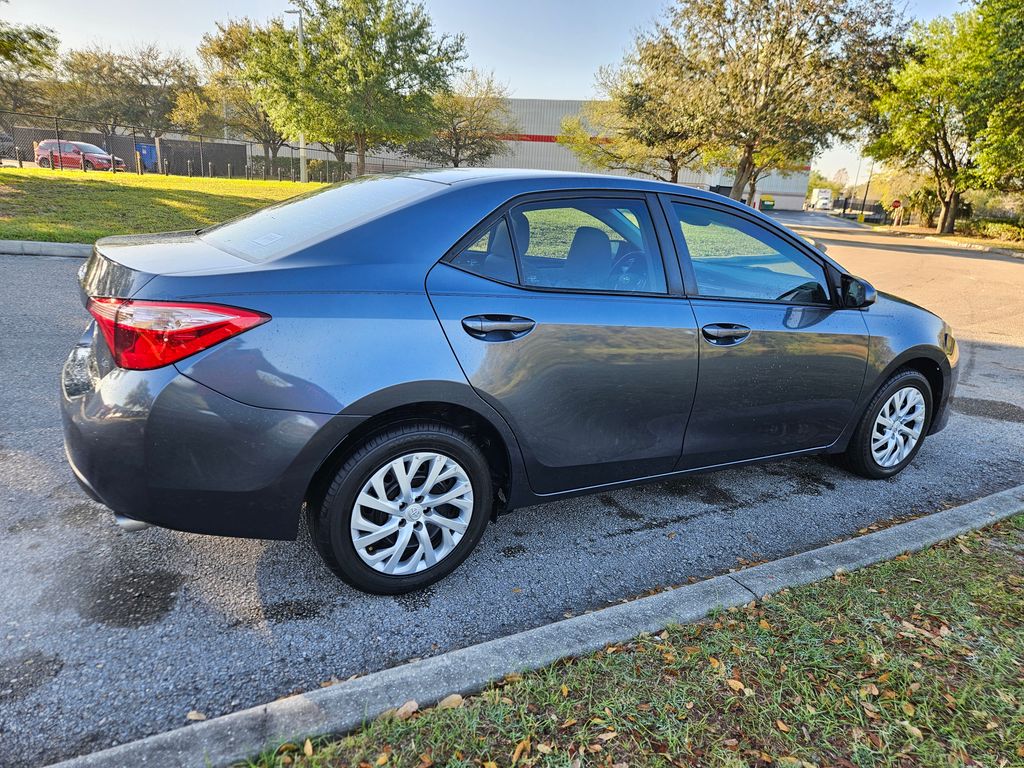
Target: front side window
{"points": [[491, 256], [596, 244], [736, 259]]}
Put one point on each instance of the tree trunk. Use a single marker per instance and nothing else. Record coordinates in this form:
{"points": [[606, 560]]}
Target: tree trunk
{"points": [[673, 170], [751, 190], [360, 141], [947, 216], [743, 173]]}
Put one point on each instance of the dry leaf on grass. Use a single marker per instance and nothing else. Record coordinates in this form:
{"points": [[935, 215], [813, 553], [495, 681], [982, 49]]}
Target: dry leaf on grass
{"points": [[407, 710], [454, 701], [782, 726]]}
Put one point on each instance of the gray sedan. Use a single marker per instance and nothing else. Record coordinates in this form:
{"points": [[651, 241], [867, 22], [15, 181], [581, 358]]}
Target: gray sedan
{"points": [[400, 359]]}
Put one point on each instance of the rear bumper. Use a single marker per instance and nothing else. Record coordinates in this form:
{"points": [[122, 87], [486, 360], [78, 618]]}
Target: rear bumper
{"points": [[160, 448]]}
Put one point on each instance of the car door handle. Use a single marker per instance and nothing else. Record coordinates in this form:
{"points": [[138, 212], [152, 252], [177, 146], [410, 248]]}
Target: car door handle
{"points": [[497, 327], [725, 334]]}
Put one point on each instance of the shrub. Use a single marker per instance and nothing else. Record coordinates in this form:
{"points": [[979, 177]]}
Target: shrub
{"points": [[993, 228]]}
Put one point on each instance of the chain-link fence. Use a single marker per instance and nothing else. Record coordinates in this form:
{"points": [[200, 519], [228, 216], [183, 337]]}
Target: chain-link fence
{"points": [[45, 141]]}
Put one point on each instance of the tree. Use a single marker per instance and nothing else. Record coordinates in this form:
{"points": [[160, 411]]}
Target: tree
{"points": [[637, 127], [230, 93], [784, 160], [139, 88], [926, 116], [997, 67], [27, 54], [369, 70], [472, 123], [770, 74]]}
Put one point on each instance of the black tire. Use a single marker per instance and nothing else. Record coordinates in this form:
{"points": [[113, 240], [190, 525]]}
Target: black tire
{"points": [[43, 162], [89, 166], [858, 458], [330, 524]]}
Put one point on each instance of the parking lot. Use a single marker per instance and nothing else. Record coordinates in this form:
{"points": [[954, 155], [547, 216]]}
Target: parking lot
{"points": [[110, 636]]}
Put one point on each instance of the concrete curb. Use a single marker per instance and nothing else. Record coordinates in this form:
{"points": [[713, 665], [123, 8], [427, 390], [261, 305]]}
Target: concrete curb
{"points": [[346, 706], [38, 248], [950, 243]]}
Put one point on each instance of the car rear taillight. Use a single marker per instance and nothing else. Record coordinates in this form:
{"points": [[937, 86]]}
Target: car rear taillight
{"points": [[151, 334]]}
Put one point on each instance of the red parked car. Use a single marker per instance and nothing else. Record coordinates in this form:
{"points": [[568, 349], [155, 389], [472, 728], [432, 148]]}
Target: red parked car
{"points": [[72, 154]]}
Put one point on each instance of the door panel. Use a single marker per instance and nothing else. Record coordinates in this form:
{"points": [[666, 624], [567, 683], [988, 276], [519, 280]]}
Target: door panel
{"points": [[790, 384], [598, 389]]}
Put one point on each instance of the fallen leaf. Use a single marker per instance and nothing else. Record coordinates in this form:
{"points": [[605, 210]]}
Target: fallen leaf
{"points": [[715, 663], [568, 723], [912, 730], [407, 710], [908, 709], [608, 736], [382, 758], [490, 764], [195, 715], [307, 748], [544, 749], [522, 748], [782, 726], [736, 685], [454, 701], [764, 625], [565, 691]]}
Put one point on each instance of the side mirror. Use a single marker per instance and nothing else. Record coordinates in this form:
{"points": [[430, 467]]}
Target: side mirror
{"points": [[857, 293]]}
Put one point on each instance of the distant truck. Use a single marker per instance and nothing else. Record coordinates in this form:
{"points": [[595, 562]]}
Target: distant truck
{"points": [[821, 199]]}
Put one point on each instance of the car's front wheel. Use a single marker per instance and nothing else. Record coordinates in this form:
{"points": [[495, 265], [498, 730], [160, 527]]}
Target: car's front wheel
{"points": [[893, 427], [405, 509], [43, 162]]}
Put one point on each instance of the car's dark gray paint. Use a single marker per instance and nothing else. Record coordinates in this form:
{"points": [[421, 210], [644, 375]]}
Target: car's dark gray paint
{"points": [[605, 390]]}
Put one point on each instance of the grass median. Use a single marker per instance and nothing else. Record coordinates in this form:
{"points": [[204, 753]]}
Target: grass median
{"points": [[76, 207], [914, 662]]}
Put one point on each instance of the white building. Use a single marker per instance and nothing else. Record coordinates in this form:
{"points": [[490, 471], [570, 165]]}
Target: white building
{"points": [[540, 120]]}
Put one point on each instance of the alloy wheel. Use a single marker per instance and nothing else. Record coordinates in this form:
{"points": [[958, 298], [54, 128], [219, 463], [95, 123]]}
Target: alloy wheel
{"points": [[412, 513], [898, 427]]}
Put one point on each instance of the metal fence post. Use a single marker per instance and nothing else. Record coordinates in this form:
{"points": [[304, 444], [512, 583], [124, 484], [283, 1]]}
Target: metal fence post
{"points": [[279, 173], [229, 170], [200, 153], [167, 167], [135, 149], [188, 167], [60, 155], [17, 156], [50, 152], [210, 165]]}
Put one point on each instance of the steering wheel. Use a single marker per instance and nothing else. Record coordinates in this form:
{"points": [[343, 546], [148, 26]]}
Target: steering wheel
{"points": [[628, 272]]}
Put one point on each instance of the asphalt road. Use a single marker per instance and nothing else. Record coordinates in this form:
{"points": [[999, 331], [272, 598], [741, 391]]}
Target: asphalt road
{"points": [[109, 636]]}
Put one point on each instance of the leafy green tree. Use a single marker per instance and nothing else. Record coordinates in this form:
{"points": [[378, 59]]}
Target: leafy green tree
{"points": [[369, 70], [997, 67], [110, 89], [764, 75], [637, 126], [229, 90], [27, 55], [471, 120], [927, 116]]}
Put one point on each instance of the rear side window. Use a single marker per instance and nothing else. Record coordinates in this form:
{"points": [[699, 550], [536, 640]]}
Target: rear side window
{"points": [[736, 259], [288, 227], [491, 256], [596, 244]]}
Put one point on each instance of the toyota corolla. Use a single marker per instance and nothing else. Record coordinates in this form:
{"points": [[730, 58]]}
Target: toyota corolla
{"points": [[399, 359]]}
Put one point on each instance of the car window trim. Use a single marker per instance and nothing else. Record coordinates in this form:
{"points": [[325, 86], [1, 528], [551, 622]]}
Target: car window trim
{"points": [[673, 287], [690, 275]]}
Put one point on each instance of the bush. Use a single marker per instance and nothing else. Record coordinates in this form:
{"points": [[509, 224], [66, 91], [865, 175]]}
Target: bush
{"points": [[996, 229]]}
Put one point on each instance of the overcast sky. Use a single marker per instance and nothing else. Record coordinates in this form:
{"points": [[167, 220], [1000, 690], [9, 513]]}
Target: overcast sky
{"points": [[546, 49]]}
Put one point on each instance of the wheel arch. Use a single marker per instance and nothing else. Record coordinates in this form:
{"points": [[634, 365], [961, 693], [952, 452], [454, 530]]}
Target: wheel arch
{"points": [[495, 440]]}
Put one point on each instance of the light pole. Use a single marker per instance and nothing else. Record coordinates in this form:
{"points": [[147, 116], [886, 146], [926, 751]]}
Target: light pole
{"points": [[303, 176]]}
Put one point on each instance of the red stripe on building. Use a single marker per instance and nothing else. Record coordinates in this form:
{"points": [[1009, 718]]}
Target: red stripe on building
{"points": [[529, 137]]}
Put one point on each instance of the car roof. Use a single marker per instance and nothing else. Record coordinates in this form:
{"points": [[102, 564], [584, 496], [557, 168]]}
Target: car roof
{"points": [[550, 180]]}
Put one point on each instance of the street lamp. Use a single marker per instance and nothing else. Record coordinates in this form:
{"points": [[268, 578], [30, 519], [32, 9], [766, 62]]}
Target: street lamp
{"points": [[303, 176]]}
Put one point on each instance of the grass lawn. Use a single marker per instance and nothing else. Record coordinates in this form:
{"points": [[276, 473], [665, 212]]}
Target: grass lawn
{"points": [[72, 206], [914, 662]]}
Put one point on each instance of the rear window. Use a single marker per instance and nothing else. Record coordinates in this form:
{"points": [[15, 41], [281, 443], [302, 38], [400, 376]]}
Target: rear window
{"points": [[292, 225]]}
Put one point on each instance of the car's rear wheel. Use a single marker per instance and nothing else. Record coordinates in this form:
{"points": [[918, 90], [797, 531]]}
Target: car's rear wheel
{"points": [[89, 166], [405, 509], [893, 427]]}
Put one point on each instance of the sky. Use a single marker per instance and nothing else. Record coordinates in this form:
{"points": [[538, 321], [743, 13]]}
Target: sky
{"points": [[543, 49]]}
